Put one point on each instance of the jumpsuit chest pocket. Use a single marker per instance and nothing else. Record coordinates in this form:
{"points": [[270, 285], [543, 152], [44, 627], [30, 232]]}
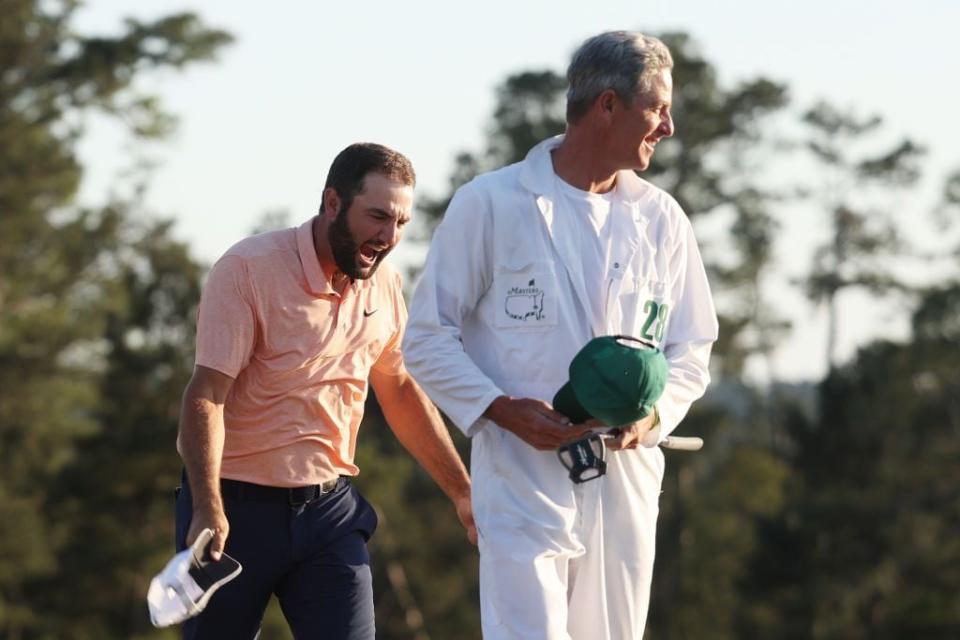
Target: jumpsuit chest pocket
{"points": [[645, 307], [525, 296]]}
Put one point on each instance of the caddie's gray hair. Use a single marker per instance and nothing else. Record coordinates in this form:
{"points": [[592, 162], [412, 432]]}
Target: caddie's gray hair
{"points": [[625, 61]]}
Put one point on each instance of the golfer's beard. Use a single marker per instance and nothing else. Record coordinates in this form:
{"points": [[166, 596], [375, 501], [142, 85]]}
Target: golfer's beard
{"points": [[344, 249]]}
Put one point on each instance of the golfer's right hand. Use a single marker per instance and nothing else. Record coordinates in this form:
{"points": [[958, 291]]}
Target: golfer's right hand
{"points": [[210, 518], [535, 422]]}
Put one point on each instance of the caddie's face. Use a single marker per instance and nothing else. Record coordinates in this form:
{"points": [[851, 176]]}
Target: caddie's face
{"points": [[638, 127], [361, 237]]}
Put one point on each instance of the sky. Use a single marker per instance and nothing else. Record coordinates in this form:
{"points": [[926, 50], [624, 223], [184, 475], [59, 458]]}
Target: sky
{"points": [[258, 128]]}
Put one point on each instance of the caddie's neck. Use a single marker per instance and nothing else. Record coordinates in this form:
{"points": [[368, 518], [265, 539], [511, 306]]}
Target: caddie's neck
{"points": [[583, 160]]}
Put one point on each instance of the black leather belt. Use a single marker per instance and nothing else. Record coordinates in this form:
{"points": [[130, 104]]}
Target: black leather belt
{"points": [[294, 496]]}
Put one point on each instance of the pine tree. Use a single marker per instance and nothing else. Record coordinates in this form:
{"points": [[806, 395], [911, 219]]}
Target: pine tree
{"points": [[60, 263], [863, 235]]}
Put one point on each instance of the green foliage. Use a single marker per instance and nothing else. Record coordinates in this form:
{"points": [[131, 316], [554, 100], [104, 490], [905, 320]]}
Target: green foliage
{"points": [[937, 317], [947, 213], [715, 510], [878, 506], [862, 234], [115, 498], [65, 303]]}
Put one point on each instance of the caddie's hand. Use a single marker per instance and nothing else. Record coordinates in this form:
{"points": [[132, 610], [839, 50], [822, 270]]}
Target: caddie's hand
{"points": [[535, 422], [210, 518], [465, 513], [630, 436]]}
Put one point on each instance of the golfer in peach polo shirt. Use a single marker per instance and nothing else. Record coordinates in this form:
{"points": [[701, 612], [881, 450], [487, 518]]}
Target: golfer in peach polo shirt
{"points": [[292, 326]]}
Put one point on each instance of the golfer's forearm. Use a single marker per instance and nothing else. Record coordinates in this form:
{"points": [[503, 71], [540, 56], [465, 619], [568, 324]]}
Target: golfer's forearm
{"points": [[200, 443]]}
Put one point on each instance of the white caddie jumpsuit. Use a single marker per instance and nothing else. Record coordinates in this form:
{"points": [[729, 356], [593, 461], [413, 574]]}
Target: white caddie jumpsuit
{"points": [[501, 309]]}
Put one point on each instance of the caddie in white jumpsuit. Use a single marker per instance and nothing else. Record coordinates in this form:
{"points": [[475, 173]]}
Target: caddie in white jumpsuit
{"points": [[529, 263]]}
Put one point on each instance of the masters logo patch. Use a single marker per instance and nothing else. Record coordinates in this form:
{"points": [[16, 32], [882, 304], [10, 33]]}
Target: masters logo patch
{"points": [[525, 303]]}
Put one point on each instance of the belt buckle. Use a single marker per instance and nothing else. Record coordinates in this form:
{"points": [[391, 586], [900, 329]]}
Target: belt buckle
{"points": [[328, 486], [315, 491]]}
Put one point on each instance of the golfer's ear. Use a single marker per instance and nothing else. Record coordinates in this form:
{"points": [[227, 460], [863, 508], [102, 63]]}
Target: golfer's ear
{"points": [[331, 203]]}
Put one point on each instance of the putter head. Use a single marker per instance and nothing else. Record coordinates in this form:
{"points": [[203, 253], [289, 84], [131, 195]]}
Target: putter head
{"points": [[584, 459], [186, 584]]}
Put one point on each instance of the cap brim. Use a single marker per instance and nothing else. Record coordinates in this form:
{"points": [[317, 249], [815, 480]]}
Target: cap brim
{"points": [[186, 584], [566, 403]]}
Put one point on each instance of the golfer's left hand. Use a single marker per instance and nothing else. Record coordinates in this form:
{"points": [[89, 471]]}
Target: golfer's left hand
{"points": [[630, 436], [465, 513]]}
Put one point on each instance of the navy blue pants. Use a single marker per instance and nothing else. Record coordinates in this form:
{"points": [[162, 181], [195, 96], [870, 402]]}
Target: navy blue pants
{"points": [[313, 557]]}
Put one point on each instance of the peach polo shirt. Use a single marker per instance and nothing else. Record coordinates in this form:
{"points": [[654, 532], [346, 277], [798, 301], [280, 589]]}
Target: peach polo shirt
{"points": [[299, 354]]}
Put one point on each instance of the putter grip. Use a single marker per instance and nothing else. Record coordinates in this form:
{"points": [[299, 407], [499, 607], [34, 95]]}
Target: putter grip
{"points": [[679, 443]]}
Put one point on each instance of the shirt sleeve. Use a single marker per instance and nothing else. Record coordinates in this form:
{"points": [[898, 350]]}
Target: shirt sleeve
{"points": [[226, 319], [690, 334], [390, 361], [456, 276]]}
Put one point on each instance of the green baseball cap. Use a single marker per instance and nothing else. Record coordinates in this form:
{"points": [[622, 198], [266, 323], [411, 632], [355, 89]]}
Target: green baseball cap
{"points": [[615, 379]]}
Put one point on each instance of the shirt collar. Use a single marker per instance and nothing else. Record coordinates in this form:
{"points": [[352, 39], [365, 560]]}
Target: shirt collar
{"points": [[538, 176], [317, 281]]}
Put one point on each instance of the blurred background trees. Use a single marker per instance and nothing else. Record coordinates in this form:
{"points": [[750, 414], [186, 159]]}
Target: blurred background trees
{"points": [[827, 509], [95, 318]]}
